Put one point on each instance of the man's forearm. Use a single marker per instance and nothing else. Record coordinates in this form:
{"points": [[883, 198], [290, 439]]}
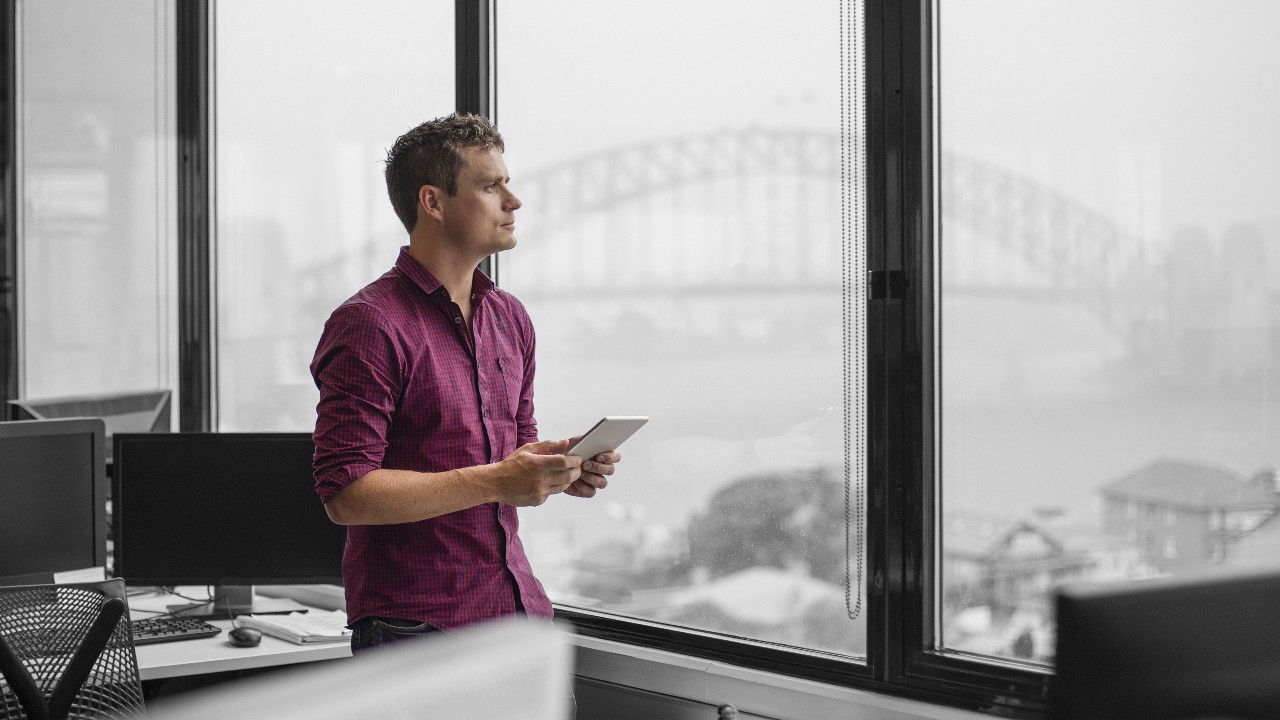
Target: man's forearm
{"points": [[387, 497], [526, 477]]}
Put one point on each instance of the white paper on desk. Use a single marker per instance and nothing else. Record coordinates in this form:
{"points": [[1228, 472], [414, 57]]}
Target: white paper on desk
{"points": [[93, 574], [301, 628]]}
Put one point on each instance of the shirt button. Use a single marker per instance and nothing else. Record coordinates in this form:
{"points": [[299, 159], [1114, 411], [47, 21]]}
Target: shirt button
{"points": [[457, 321], [485, 412]]}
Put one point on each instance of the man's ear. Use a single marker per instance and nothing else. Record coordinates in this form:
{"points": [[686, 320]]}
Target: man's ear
{"points": [[429, 202]]}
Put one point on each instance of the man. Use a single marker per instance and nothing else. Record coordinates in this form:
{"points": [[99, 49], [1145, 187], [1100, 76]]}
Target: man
{"points": [[425, 436]]}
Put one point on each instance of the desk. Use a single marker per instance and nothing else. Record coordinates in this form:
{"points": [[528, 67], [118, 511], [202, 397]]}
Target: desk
{"points": [[182, 658]]}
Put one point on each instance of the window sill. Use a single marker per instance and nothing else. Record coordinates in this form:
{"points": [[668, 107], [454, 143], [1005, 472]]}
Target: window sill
{"points": [[751, 691]]}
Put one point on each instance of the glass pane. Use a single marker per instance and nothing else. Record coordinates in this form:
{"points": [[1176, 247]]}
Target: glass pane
{"points": [[1109, 268], [96, 186], [683, 256], [303, 219]]}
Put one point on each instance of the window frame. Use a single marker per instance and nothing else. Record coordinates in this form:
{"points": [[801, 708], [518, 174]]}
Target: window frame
{"points": [[197, 349], [901, 466], [975, 681], [901, 533], [10, 282], [191, 75]]}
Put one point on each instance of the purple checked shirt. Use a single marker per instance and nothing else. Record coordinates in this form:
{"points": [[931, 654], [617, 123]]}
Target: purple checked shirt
{"points": [[405, 385]]}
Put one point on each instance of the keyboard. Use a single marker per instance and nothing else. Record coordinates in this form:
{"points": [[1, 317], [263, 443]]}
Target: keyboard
{"points": [[164, 629]]}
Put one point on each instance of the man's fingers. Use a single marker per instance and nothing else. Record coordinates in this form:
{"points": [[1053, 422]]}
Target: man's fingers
{"points": [[580, 489], [597, 468], [611, 458], [565, 468], [552, 461], [547, 447]]}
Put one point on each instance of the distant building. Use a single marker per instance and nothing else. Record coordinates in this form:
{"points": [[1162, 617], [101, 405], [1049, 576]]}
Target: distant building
{"points": [[1183, 515], [1006, 564], [1000, 573], [1259, 548]]}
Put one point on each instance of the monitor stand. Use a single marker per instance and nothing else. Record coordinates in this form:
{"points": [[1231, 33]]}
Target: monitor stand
{"points": [[232, 600]]}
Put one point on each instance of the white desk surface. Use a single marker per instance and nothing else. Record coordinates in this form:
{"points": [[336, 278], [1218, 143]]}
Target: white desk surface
{"points": [[214, 654], [179, 658]]}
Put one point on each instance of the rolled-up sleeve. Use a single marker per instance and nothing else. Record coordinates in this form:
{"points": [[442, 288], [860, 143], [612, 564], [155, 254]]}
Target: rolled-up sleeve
{"points": [[526, 424], [358, 368]]}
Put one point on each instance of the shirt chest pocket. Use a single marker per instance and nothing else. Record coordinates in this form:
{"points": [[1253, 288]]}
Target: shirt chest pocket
{"points": [[506, 384]]}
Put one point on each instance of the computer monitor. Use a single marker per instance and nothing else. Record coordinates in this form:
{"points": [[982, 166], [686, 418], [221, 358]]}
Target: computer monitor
{"points": [[1173, 649], [146, 411], [53, 502], [224, 509]]}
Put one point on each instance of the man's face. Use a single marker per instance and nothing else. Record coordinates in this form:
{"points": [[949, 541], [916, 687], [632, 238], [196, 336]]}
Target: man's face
{"points": [[481, 219]]}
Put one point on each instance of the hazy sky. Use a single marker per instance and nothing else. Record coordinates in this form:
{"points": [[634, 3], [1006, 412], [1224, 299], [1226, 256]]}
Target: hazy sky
{"points": [[1171, 105]]}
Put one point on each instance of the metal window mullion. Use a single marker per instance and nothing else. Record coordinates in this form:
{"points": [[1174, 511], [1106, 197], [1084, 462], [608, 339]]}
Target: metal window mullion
{"points": [[473, 68], [913, 487], [10, 282], [195, 266], [473, 28]]}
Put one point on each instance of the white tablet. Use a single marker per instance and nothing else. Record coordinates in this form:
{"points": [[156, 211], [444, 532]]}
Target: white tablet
{"points": [[607, 435]]}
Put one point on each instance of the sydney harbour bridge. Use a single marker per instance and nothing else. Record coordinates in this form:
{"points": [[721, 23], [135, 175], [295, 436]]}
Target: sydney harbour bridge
{"points": [[758, 211], [712, 224]]}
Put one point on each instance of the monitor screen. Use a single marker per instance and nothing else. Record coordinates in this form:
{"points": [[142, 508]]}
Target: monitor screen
{"points": [[229, 509], [1176, 648], [52, 498]]}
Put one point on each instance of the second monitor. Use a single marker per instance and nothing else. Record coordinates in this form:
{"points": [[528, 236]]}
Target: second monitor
{"points": [[224, 509], [53, 501]]}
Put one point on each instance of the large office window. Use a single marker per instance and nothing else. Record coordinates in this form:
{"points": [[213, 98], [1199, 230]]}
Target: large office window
{"points": [[686, 249], [1096, 313], [95, 170], [303, 219], [1108, 269]]}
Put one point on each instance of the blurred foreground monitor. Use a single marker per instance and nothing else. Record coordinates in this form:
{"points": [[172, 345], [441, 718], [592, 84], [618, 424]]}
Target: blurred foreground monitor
{"points": [[515, 669], [1170, 649]]}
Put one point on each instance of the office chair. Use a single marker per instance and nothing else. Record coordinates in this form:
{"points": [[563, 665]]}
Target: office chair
{"points": [[66, 651]]}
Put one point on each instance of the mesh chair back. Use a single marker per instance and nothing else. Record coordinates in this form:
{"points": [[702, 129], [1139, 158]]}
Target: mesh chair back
{"points": [[52, 633]]}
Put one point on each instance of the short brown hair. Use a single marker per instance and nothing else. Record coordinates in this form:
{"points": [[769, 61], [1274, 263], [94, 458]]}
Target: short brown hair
{"points": [[431, 154]]}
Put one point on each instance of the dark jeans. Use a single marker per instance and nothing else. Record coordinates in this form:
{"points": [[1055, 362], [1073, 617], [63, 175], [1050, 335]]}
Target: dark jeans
{"points": [[374, 631], [371, 632]]}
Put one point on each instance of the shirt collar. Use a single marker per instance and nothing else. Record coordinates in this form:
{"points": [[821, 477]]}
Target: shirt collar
{"points": [[481, 285]]}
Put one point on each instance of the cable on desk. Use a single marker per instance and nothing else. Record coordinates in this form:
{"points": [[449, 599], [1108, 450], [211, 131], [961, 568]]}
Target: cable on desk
{"points": [[199, 602], [171, 590]]}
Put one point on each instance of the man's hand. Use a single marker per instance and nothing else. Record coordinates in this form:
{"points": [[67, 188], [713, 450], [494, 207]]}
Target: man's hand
{"points": [[534, 472], [595, 472]]}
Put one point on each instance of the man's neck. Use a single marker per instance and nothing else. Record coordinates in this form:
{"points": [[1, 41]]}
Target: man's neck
{"points": [[454, 272]]}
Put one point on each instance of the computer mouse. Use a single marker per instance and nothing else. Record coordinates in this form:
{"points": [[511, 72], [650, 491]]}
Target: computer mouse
{"points": [[244, 637]]}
